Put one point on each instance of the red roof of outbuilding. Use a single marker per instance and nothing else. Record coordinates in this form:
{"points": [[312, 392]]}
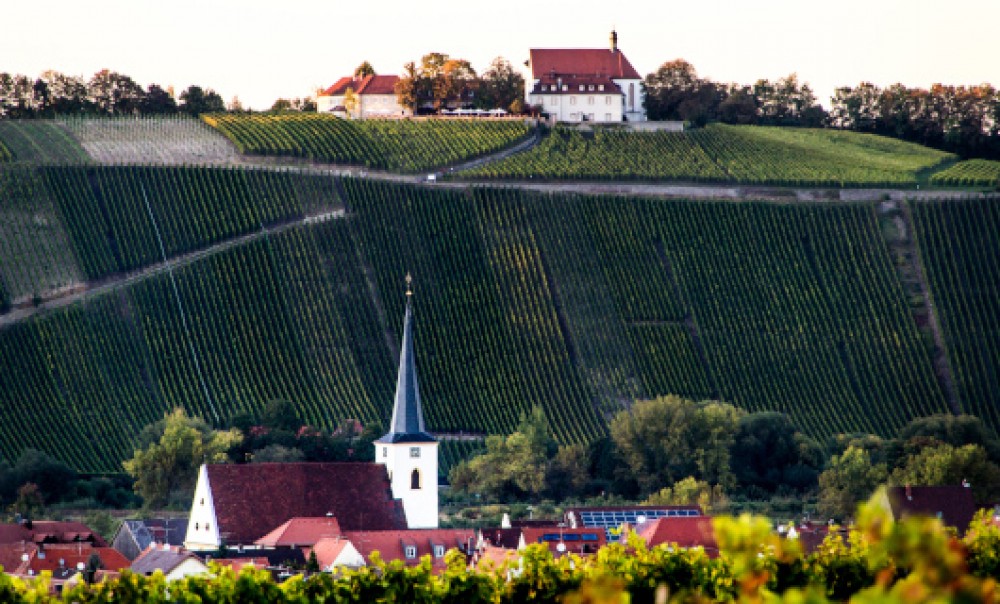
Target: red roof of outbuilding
{"points": [[390, 544], [581, 61], [50, 531], [954, 505], [252, 499], [692, 531], [373, 84], [301, 531]]}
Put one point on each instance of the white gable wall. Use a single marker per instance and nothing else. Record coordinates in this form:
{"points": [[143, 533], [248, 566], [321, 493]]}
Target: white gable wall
{"points": [[349, 556], [203, 529], [187, 568]]}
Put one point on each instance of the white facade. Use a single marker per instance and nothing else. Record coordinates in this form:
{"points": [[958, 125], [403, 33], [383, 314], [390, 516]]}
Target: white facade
{"points": [[583, 107], [369, 106], [187, 568], [203, 529], [413, 474]]}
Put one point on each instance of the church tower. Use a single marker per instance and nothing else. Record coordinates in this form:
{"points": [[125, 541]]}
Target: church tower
{"points": [[408, 452]]}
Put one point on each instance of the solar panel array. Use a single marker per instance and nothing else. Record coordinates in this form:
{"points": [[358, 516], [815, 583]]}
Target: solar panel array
{"points": [[612, 520]]}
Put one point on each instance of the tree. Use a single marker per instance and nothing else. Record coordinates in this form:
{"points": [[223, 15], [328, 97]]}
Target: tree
{"points": [[945, 464], [281, 105], [668, 438], [955, 430], [277, 454], [364, 70], [850, 479], [312, 565], [690, 491], [352, 102], [166, 471], [501, 86], [408, 87], [115, 93], [195, 101], [29, 503], [157, 101], [769, 452], [93, 565], [676, 84]]}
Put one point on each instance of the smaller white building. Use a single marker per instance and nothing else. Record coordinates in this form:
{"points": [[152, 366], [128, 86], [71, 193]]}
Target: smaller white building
{"points": [[375, 96]]}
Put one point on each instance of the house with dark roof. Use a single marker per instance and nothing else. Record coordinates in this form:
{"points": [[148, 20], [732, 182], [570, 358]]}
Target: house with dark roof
{"points": [[611, 518], [953, 505], [375, 96], [62, 560], [173, 562], [563, 540], [134, 536], [585, 84]]}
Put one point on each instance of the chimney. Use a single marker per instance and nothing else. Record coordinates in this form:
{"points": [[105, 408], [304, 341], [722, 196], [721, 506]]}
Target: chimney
{"points": [[614, 41]]}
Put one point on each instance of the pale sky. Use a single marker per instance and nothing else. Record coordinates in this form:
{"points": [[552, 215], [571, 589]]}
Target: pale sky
{"points": [[262, 50]]}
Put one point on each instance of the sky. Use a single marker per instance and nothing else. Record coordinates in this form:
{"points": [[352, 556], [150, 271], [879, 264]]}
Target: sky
{"points": [[263, 50]]}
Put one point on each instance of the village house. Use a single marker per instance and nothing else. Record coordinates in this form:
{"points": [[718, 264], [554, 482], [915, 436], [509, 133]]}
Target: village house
{"points": [[953, 505], [173, 562], [585, 84], [375, 96], [684, 532], [134, 536]]}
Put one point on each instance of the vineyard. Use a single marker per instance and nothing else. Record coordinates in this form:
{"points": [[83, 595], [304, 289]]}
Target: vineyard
{"points": [[574, 304], [395, 145], [720, 153], [5, 155], [150, 140], [971, 173], [960, 246], [40, 141]]}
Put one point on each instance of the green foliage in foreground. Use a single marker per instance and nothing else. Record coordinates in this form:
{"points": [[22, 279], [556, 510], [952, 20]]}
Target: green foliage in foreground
{"points": [[971, 173], [395, 145], [913, 561], [720, 153]]}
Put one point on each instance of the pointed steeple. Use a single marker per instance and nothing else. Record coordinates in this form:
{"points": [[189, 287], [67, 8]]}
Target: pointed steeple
{"points": [[407, 414]]}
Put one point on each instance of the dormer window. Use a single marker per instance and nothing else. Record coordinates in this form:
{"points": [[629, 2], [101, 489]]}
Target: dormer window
{"points": [[600, 87], [410, 551], [582, 87], [590, 88], [439, 551], [565, 88]]}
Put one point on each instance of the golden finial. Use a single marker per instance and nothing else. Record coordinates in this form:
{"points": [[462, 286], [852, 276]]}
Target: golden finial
{"points": [[409, 284]]}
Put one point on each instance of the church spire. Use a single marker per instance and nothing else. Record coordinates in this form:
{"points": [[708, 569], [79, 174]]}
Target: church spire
{"points": [[407, 413]]}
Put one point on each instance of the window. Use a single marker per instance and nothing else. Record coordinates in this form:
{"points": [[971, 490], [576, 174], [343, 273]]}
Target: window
{"points": [[197, 526], [631, 96], [206, 526], [600, 87], [590, 88], [582, 87], [565, 88], [202, 502], [590, 100], [414, 451], [607, 100], [607, 117], [415, 479], [553, 100], [410, 551], [385, 451], [439, 551], [572, 100]]}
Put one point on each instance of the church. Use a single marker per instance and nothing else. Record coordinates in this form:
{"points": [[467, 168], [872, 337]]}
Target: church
{"points": [[585, 84], [237, 504]]}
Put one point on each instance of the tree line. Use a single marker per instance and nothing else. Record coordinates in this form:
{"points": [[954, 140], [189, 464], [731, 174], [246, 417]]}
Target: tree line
{"points": [[671, 451], [106, 93], [961, 119]]}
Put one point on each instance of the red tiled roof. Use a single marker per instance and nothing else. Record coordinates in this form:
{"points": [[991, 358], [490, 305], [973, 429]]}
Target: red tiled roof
{"points": [[327, 550], [57, 556], [693, 531], [954, 505], [373, 84], [301, 531], [50, 531], [390, 544], [238, 564], [577, 541], [10, 554], [581, 61], [553, 85], [494, 557], [252, 499]]}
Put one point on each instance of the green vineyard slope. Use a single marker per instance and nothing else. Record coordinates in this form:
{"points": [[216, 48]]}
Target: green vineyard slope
{"points": [[960, 247], [721, 153], [395, 145], [971, 173], [40, 142]]}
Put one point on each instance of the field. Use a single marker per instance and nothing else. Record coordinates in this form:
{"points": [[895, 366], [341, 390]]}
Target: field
{"points": [[720, 153], [40, 141], [960, 246], [575, 304], [971, 173], [150, 140], [394, 145]]}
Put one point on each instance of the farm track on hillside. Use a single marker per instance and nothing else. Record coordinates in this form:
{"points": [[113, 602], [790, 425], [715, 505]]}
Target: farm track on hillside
{"points": [[68, 295]]}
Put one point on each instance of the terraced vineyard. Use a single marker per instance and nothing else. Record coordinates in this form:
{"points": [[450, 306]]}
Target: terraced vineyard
{"points": [[5, 155], [576, 304], [971, 173], [721, 153], [396, 145], [40, 141], [960, 246], [150, 140]]}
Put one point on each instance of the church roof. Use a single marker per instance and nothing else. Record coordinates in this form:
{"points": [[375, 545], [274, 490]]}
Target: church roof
{"points": [[581, 62], [407, 424], [252, 499]]}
